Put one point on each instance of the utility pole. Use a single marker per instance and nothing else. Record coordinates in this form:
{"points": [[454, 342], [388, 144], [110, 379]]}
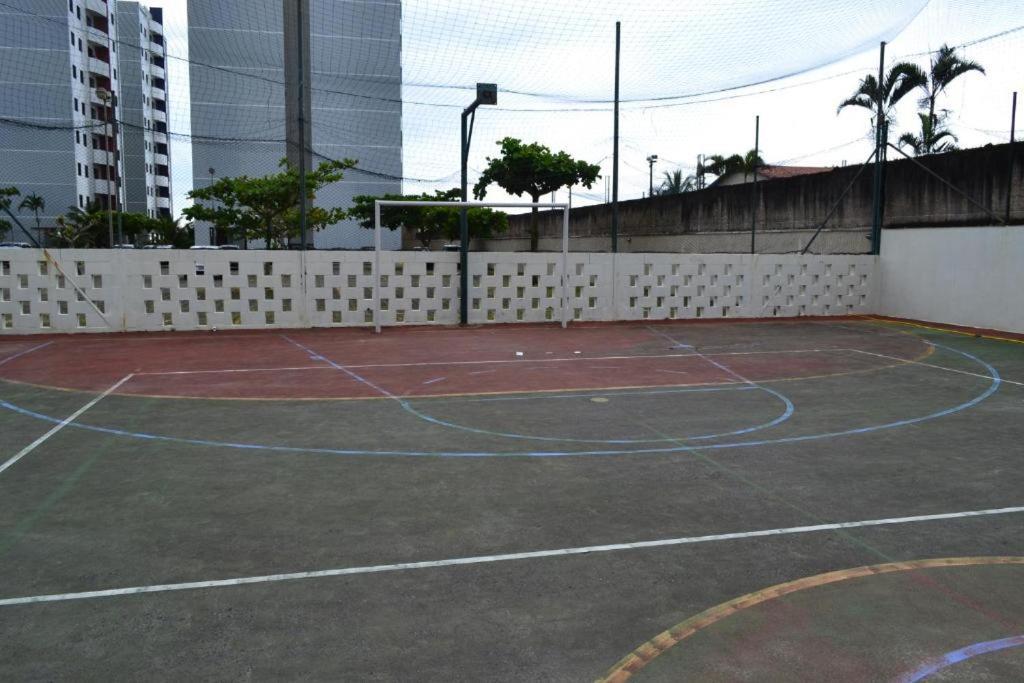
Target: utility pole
{"points": [[1009, 173], [298, 109], [105, 96], [876, 219], [615, 145], [753, 206], [650, 174]]}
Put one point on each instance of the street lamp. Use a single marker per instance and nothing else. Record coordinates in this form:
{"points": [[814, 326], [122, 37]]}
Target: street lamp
{"points": [[650, 163], [106, 97], [486, 93]]}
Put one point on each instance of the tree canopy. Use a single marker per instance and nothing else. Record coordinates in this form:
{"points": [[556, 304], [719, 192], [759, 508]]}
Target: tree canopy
{"points": [[429, 223], [720, 165], [267, 207], [533, 169], [7, 194]]}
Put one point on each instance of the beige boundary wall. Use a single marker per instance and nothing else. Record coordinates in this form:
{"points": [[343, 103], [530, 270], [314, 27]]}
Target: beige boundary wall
{"points": [[960, 276], [125, 290]]}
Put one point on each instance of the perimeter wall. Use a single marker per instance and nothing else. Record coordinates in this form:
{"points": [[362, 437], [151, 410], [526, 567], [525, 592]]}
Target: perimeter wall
{"points": [[99, 290]]}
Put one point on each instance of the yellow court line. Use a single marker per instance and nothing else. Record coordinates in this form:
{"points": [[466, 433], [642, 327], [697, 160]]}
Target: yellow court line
{"points": [[642, 656], [944, 329]]}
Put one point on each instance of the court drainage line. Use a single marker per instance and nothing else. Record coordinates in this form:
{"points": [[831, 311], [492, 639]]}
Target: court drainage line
{"points": [[8, 359], [490, 559], [62, 424], [938, 367]]}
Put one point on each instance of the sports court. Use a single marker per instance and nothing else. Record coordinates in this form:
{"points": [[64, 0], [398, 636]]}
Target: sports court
{"points": [[667, 501]]}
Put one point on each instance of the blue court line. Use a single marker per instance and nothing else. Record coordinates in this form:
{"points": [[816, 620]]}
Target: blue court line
{"points": [[786, 414], [406, 406], [993, 374], [957, 656]]}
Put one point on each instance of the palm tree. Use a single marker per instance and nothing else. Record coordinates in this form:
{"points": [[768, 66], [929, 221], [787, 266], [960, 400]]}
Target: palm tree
{"points": [[934, 137], [675, 183], [720, 165], [946, 66], [6, 195], [80, 227], [902, 79], [35, 204]]}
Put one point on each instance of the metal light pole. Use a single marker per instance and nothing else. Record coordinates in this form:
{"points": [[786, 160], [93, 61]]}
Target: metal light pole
{"points": [[104, 95], [486, 93], [650, 180], [753, 201]]}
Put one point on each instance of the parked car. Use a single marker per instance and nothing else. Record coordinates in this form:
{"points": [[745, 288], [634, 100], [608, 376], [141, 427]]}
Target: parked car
{"points": [[15, 245], [158, 246]]}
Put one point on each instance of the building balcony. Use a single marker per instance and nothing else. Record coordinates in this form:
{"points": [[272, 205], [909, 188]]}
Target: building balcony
{"points": [[97, 6], [159, 115], [102, 187], [160, 159], [161, 180], [157, 94], [159, 137], [98, 66], [157, 71], [163, 202]]}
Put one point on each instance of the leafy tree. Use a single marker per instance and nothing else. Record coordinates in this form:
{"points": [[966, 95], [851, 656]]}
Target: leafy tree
{"points": [[81, 227], [675, 183], [934, 137], [6, 196], [268, 207], [719, 165], [167, 230], [35, 204], [429, 222], [902, 79], [535, 170]]}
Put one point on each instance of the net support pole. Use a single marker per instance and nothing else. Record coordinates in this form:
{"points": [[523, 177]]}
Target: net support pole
{"points": [[753, 200], [376, 266], [615, 147], [1009, 171], [876, 214], [565, 267]]}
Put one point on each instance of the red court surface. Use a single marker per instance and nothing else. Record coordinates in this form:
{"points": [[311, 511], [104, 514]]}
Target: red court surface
{"points": [[355, 363]]}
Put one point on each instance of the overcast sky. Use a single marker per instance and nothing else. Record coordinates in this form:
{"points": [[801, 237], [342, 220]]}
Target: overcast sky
{"points": [[804, 57]]}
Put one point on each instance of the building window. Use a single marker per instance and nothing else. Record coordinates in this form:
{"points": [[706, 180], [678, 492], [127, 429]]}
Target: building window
{"points": [[80, 202], [78, 138], [76, 104], [79, 44], [72, 39], [87, 171], [78, 13], [79, 168], [74, 71]]}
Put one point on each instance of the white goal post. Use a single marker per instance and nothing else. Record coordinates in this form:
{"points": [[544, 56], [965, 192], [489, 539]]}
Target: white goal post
{"points": [[378, 203]]}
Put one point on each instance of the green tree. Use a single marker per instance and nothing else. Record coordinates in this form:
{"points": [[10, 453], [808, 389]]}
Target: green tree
{"points": [[675, 182], [7, 194], [719, 165], [81, 227], [168, 230], [534, 170], [946, 66], [902, 79], [429, 222], [36, 205], [934, 137], [267, 207]]}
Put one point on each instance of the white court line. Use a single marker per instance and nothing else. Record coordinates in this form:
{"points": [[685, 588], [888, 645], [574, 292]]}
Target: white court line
{"points": [[8, 359], [490, 362], [231, 370], [485, 559], [938, 367], [62, 424]]}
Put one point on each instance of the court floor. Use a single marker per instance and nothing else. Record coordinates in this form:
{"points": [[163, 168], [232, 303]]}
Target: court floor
{"points": [[783, 500]]}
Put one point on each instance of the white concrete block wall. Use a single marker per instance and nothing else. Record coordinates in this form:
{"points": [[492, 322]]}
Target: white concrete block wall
{"points": [[127, 290], [961, 276]]}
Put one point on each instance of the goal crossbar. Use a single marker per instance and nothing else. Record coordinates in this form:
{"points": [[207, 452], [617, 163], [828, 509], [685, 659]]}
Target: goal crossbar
{"points": [[377, 241]]}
